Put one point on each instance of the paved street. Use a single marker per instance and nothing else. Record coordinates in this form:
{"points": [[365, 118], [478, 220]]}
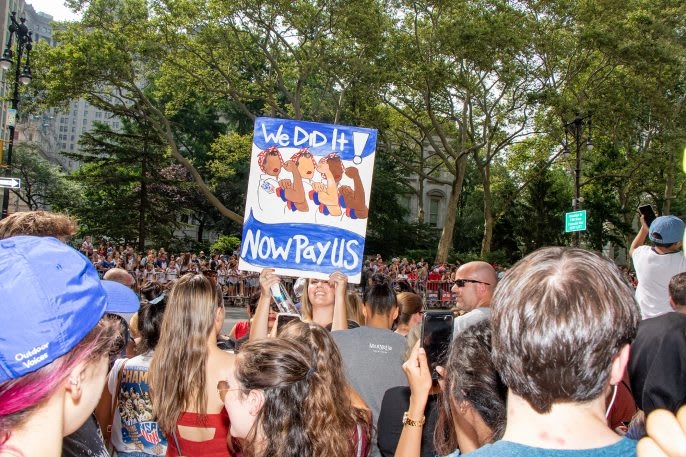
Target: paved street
{"points": [[233, 314]]}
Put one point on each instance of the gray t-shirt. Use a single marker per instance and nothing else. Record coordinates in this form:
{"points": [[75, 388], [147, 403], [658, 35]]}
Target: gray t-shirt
{"points": [[372, 360]]}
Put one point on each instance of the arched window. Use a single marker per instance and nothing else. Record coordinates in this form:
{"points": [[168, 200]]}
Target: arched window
{"points": [[435, 199]]}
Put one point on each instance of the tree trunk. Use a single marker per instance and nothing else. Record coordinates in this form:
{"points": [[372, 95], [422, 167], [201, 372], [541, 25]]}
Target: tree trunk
{"points": [[669, 186], [489, 220], [143, 198], [446, 241], [420, 201], [163, 127]]}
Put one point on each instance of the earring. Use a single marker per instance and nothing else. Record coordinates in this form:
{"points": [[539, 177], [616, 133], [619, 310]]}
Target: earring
{"points": [[74, 382]]}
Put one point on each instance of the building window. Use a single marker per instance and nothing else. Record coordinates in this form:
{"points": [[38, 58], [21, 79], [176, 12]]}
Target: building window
{"points": [[434, 205]]}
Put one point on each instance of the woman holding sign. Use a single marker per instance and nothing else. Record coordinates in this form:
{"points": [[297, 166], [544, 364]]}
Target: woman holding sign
{"points": [[325, 302]]}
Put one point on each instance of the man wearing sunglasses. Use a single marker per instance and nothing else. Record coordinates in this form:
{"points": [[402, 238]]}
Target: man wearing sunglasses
{"points": [[473, 288]]}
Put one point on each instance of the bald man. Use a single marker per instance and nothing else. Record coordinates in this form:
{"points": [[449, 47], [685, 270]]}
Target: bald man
{"points": [[473, 287], [121, 276]]}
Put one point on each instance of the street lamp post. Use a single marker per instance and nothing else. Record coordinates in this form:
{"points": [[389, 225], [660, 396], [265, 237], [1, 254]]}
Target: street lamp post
{"points": [[576, 128], [21, 36]]}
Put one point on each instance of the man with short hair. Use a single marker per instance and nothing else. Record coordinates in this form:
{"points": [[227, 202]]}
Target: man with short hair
{"points": [[657, 264], [473, 288], [563, 319]]}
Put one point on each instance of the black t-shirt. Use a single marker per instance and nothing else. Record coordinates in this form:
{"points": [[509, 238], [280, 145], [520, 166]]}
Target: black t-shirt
{"points": [[86, 441], [395, 402]]}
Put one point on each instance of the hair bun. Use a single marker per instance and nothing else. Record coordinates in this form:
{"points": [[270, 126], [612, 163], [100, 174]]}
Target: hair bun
{"points": [[380, 279]]}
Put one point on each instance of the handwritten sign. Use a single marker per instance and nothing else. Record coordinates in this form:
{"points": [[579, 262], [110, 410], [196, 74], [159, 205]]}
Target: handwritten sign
{"points": [[308, 198]]}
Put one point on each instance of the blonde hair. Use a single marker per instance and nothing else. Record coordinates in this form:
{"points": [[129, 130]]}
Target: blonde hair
{"points": [[306, 306], [354, 307], [178, 367]]}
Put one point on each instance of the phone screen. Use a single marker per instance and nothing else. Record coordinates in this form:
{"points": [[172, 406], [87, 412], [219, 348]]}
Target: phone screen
{"points": [[437, 333], [648, 213]]}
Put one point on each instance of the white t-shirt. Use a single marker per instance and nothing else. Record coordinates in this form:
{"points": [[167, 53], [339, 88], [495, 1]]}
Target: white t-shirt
{"points": [[654, 272]]}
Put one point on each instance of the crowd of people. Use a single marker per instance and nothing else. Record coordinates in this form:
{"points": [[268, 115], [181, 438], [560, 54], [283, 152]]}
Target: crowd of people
{"points": [[557, 355]]}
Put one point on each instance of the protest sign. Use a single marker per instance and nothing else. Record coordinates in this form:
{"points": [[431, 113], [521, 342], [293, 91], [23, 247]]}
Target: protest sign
{"points": [[307, 202]]}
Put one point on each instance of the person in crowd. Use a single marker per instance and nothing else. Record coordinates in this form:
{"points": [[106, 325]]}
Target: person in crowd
{"points": [[657, 364], [395, 403], [472, 405], [281, 405], [354, 309], [87, 438], [373, 354], [326, 352], [172, 272], [184, 263], [186, 366], [473, 288], [39, 223], [322, 298], [86, 246], [563, 319], [410, 306], [121, 276], [655, 265], [233, 280], [125, 403], [241, 329], [54, 358], [324, 303]]}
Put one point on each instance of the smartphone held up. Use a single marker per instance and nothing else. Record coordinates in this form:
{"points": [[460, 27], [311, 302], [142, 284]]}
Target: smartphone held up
{"points": [[437, 333], [648, 214]]}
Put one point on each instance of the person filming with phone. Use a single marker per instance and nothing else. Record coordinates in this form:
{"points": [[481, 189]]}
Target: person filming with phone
{"points": [[655, 265]]}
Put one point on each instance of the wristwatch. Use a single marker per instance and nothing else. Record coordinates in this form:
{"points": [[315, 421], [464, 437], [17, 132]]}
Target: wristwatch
{"points": [[412, 423]]}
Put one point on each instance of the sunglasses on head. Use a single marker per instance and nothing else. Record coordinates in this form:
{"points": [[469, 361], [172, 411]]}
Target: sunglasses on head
{"points": [[463, 282], [223, 388]]}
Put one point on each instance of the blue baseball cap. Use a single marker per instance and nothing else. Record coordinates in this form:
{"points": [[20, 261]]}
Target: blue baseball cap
{"points": [[666, 230], [51, 297]]}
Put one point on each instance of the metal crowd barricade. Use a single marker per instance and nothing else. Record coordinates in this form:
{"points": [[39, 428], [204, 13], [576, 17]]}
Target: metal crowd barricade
{"points": [[435, 294], [238, 288]]}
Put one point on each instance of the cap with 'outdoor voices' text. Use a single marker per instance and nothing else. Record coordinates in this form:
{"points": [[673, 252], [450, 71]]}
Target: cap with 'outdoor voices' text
{"points": [[50, 298]]}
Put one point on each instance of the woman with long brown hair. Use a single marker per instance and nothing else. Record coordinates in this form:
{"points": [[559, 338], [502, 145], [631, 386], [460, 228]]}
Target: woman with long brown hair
{"points": [[185, 370], [282, 403], [410, 306]]}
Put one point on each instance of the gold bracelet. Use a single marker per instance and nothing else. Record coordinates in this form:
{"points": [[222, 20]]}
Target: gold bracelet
{"points": [[412, 423]]}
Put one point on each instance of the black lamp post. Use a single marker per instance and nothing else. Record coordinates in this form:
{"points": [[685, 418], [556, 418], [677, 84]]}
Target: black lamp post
{"points": [[576, 128], [22, 74]]}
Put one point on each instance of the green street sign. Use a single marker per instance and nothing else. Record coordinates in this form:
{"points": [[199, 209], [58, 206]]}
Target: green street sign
{"points": [[575, 221]]}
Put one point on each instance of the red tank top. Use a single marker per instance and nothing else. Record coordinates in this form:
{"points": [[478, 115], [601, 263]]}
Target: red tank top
{"points": [[216, 447]]}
